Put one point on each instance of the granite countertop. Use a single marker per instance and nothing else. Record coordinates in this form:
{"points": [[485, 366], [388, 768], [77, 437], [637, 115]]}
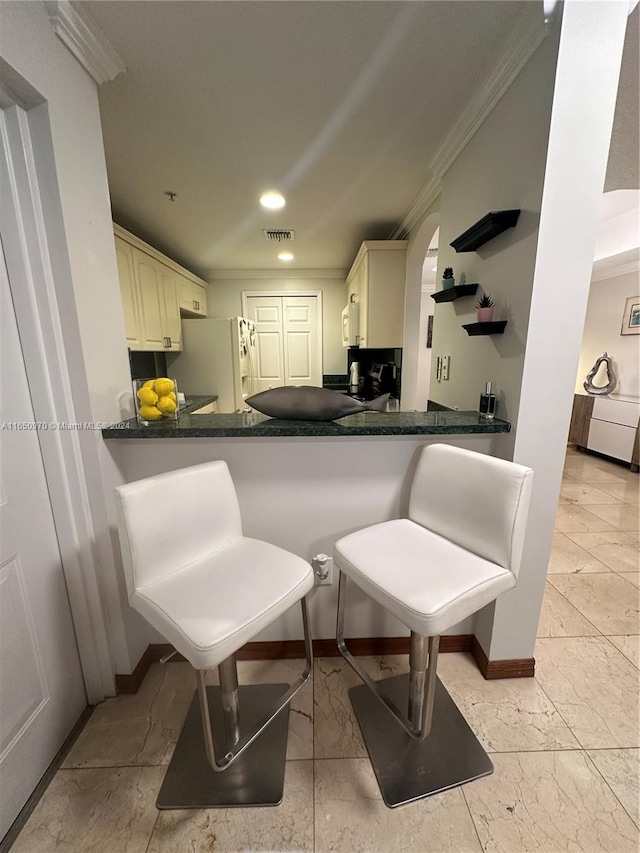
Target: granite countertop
{"points": [[254, 425], [197, 401]]}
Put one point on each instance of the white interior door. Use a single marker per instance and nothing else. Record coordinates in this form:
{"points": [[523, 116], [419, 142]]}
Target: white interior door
{"points": [[41, 688], [288, 339]]}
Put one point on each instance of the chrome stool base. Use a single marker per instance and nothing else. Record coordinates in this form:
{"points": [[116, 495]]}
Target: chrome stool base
{"points": [[408, 769], [256, 778]]}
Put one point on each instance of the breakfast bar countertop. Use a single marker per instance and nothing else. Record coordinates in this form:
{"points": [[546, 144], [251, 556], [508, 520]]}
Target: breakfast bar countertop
{"points": [[255, 425]]}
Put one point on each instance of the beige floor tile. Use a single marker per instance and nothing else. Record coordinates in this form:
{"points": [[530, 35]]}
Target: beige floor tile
{"points": [[627, 492], [288, 827], [583, 493], [350, 815], [618, 551], [607, 472], [629, 645], [631, 577], [567, 557], [621, 769], [138, 729], [594, 687], [300, 739], [94, 811], [571, 518], [549, 802], [621, 515], [336, 730], [505, 714], [608, 601], [559, 618]]}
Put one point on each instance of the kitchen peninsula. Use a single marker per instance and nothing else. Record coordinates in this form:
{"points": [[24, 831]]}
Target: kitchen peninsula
{"points": [[304, 484]]}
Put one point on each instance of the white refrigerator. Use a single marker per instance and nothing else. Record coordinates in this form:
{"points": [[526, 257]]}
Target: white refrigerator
{"points": [[218, 357]]}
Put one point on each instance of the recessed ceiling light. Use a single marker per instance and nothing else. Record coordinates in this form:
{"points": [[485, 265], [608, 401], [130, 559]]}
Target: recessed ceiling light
{"points": [[285, 256], [272, 200]]}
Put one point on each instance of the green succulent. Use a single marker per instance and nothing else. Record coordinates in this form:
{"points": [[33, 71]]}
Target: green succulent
{"points": [[485, 301], [448, 272]]}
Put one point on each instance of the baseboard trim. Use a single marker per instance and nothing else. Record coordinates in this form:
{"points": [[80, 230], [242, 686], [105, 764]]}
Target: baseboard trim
{"points": [[510, 668], [289, 649]]}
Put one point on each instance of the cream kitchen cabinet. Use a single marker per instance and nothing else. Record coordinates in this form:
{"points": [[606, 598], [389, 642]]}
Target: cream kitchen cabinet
{"points": [[193, 297], [126, 275], [376, 282], [151, 286]]}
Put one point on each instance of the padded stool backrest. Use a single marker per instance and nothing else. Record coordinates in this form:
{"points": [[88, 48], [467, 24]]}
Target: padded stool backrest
{"points": [[479, 502], [169, 521]]}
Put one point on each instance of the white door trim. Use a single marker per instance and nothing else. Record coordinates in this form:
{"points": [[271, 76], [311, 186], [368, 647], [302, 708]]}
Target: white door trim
{"points": [[45, 354], [318, 295]]}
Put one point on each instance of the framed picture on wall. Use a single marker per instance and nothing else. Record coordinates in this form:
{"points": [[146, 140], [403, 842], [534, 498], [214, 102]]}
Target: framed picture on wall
{"points": [[631, 317]]}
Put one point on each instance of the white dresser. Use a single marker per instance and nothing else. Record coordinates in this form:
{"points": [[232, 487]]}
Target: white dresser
{"points": [[613, 427]]}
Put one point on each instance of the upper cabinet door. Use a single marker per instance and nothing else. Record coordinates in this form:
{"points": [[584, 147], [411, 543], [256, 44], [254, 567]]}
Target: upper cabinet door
{"points": [[150, 300], [199, 300], [171, 322], [193, 297], [377, 281], [126, 274]]}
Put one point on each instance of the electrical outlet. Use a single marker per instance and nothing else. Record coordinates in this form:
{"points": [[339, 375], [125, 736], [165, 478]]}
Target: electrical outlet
{"points": [[323, 569], [445, 367]]}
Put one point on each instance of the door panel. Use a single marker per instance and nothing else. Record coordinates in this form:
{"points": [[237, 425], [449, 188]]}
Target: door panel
{"points": [[300, 337], [172, 322], [266, 311], [288, 340], [41, 687]]}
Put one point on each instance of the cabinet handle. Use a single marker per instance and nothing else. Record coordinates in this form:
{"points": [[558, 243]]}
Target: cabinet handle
{"points": [[195, 305], [169, 342]]}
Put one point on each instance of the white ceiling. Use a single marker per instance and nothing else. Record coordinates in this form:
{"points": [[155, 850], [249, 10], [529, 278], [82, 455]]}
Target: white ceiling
{"points": [[339, 105]]}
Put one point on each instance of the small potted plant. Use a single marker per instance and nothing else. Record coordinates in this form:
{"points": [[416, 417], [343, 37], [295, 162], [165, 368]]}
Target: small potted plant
{"points": [[484, 308], [448, 279]]}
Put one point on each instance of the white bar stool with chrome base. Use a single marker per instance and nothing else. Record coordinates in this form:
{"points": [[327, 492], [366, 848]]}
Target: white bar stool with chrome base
{"points": [[208, 589], [457, 551]]}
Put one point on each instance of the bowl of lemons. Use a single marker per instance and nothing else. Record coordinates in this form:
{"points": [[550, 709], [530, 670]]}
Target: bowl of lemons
{"points": [[156, 400]]}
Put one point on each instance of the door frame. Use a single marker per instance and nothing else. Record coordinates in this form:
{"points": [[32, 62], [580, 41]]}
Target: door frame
{"points": [[47, 352], [316, 293]]}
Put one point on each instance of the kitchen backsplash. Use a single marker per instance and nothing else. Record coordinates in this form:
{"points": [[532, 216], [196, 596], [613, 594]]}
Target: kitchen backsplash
{"points": [[145, 365]]}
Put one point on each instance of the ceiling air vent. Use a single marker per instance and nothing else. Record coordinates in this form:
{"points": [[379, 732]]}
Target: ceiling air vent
{"points": [[278, 235]]}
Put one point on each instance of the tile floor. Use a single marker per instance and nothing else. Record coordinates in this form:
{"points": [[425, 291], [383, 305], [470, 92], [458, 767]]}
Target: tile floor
{"points": [[565, 744]]}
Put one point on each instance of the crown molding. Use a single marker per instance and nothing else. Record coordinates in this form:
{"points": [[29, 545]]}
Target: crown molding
{"points": [[130, 238], [521, 44], [613, 272], [80, 33], [250, 275]]}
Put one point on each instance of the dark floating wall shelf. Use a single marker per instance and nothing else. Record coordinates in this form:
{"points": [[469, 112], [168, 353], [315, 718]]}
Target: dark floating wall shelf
{"points": [[485, 229], [495, 327], [454, 292]]}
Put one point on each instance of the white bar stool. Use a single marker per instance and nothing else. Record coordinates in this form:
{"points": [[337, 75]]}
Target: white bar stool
{"points": [[457, 551], [208, 589]]}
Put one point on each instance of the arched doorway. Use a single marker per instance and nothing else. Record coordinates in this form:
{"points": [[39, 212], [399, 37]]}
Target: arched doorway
{"points": [[416, 359]]}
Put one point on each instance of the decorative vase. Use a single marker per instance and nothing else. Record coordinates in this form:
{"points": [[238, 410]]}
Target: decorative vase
{"points": [[448, 283], [485, 315]]}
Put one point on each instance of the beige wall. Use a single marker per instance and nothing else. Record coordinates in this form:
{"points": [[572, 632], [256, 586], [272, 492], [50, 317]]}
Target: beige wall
{"points": [[502, 167], [72, 175], [602, 333], [224, 299]]}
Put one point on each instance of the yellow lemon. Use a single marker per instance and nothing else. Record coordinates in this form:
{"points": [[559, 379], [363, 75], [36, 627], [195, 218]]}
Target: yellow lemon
{"points": [[167, 405], [163, 386], [147, 396], [149, 383], [172, 394], [150, 413]]}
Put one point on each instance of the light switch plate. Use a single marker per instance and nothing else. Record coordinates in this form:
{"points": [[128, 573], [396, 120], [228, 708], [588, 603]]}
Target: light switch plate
{"points": [[445, 367]]}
